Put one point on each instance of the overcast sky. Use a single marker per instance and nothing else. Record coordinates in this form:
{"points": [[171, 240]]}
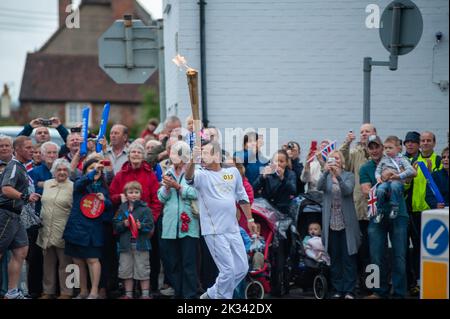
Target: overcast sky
{"points": [[25, 25]]}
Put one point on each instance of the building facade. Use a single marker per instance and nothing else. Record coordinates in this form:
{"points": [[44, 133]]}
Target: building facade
{"points": [[297, 65]]}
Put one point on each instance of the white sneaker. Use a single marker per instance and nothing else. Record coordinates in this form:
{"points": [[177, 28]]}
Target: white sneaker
{"points": [[168, 292], [17, 295], [204, 296]]}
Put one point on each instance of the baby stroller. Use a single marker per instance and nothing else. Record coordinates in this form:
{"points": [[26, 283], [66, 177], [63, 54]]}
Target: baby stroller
{"points": [[258, 280], [307, 272]]}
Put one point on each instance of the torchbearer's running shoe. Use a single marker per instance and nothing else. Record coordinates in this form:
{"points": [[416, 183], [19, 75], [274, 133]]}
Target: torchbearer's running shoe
{"points": [[205, 296]]}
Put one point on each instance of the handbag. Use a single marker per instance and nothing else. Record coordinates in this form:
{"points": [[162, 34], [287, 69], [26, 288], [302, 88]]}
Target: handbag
{"points": [[28, 216]]}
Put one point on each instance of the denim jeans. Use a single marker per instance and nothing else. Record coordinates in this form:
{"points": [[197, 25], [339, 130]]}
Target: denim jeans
{"points": [[397, 229], [394, 188], [343, 268]]}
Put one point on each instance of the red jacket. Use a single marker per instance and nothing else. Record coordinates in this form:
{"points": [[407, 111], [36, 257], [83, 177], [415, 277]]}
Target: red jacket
{"points": [[146, 177], [251, 197], [249, 190]]}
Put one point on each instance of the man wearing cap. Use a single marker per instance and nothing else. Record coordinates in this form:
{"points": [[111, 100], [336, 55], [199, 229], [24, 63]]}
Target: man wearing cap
{"points": [[412, 145], [378, 232], [354, 159], [416, 191]]}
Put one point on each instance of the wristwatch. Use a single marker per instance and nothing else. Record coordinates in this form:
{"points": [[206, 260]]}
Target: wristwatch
{"points": [[25, 197]]}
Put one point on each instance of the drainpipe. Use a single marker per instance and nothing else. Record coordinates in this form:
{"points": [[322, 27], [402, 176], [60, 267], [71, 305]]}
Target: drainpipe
{"points": [[205, 121]]}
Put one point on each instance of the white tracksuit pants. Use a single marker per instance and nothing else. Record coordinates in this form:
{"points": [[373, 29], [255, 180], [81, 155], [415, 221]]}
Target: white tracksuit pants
{"points": [[228, 252]]}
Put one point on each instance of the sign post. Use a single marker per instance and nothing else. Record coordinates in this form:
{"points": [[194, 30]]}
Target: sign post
{"points": [[401, 28], [434, 255], [128, 51]]}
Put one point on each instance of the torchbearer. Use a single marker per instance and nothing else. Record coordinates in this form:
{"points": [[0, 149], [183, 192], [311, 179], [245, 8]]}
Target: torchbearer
{"points": [[218, 190]]}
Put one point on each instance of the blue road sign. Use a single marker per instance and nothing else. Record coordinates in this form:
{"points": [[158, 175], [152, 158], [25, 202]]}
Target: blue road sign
{"points": [[435, 237]]}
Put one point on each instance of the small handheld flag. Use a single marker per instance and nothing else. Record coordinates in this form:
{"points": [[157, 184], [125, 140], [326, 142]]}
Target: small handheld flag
{"points": [[133, 226], [372, 202], [328, 149]]}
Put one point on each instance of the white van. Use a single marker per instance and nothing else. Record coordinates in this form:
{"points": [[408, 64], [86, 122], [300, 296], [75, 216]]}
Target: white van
{"points": [[13, 131]]}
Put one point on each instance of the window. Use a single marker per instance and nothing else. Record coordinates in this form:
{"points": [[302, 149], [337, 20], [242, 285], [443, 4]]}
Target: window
{"points": [[74, 113]]}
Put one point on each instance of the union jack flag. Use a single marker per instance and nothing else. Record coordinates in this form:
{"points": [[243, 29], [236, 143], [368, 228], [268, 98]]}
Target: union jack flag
{"points": [[328, 149], [372, 202]]}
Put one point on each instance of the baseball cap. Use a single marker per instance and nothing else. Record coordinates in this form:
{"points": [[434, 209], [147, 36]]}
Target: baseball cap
{"points": [[374, 139]]}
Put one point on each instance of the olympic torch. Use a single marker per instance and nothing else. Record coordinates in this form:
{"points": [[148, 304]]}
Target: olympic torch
{"points": [[192, 80]]}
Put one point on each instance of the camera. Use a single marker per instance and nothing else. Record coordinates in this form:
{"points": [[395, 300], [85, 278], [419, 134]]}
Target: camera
{"points": [[105, 162], [290, 146], [75, 130], [46, 122], [331, 160]]}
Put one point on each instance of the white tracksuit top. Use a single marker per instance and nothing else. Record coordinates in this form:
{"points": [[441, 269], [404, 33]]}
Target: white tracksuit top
{"points": [[218, 193]]}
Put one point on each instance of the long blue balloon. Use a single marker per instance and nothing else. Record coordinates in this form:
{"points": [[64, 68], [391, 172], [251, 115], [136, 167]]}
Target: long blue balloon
{"points": [[431, 182], [103, 124], [84, 131]]}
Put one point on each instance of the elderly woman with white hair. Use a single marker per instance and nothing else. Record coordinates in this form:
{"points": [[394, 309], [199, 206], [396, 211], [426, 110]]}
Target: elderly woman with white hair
{"points": [[180, 227], [56, 205]]}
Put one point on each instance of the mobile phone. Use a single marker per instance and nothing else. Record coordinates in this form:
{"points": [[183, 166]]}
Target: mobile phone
{"points": [[75, 130], [46, 122], [331, 160], [105, 162], [313, 145]]}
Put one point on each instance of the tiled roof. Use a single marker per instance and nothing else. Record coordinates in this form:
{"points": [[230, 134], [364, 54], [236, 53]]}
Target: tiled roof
{"points": [[61, 78]]}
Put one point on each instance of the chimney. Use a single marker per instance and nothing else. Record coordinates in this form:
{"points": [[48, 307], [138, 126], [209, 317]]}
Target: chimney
{"points": [[5, 103], [122, 7], [62, 5]]}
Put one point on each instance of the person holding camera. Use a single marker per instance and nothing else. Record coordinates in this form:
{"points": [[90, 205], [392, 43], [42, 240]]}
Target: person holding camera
{"points": [[355, 158], [277, 182], [41, 125], [180, 227], [15, 184], [341, 234], [84, 233], [293, 150]]}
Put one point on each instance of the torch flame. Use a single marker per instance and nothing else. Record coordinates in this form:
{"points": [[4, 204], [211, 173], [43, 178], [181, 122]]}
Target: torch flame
{"points": [[181, 62]]}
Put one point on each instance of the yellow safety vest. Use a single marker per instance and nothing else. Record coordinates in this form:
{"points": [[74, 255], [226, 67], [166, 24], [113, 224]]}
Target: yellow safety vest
{"points": [[419, 187]]}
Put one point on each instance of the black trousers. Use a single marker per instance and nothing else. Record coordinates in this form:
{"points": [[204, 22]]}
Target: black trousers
{"points": [[363, 252], [35, 262], [155, 256], [109, 260], [181, 266], [413, 256]]}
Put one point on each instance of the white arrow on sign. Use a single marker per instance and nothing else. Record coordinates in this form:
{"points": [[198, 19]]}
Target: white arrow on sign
{"points": [[431, 239]]}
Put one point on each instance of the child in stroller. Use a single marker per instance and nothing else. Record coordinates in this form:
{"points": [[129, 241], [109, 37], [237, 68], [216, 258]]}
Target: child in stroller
{"points": [[311, 262], [313, 245], [254, 246], [257, 282]]}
